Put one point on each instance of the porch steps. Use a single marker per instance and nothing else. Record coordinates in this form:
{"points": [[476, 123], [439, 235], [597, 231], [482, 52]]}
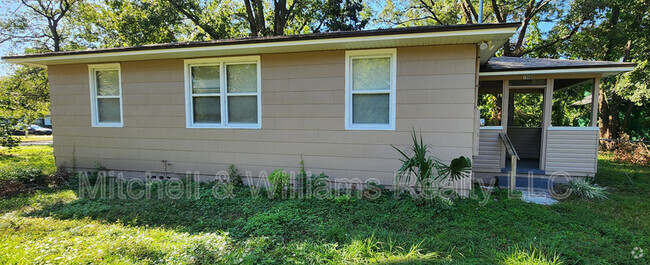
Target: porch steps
{"points": [[523, 170], [524, 182]]}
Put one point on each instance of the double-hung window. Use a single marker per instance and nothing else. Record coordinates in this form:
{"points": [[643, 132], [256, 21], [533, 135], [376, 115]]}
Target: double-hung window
{"points": [[370, 82], [105, 95], [223, 92]]}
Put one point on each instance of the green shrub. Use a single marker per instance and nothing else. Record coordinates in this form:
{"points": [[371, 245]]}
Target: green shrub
{"points": [[583, 188], [234, 176], [279, 179]]}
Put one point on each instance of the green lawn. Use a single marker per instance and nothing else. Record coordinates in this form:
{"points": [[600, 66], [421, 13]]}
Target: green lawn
{"points": [[32, 138], [58, 226]]}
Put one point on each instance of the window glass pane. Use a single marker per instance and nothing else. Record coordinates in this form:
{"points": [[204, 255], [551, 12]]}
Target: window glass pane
{"points": [[370, 108], [205, 79], [207, 109], [242, 78], [107, 82], [371, 73], [109, 109], [242, 109]]}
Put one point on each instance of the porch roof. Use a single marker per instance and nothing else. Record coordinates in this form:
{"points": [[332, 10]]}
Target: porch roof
{"points": [[516, 66]]}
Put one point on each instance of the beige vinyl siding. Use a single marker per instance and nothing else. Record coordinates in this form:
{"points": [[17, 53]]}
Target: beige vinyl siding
{"points": [[572, 150], [303, 106], [489, 151]]}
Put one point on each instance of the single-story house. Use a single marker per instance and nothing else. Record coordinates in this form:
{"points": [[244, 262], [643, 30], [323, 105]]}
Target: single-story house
{"points": [[338, 99]]}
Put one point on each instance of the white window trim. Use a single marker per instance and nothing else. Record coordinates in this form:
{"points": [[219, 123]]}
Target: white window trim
{"points": [[354, 54], [92, 68], [223, 93]]}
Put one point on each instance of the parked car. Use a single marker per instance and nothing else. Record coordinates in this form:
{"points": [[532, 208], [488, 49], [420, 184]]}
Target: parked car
{"points": [[32, 130], [38, 130]]}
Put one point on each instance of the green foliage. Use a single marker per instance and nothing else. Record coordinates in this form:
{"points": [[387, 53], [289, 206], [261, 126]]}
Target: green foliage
{"points": [[302, 178], [112, 23], [59, 227], [583, 188], [565, 113], [28, 164], [24, 97], [342, 15], [279, 180], [527, 110], [6, 138], [426, 168], [234, 176], [25, 174], [319, 181], [25, 168], [489, 106], [530, 256]]}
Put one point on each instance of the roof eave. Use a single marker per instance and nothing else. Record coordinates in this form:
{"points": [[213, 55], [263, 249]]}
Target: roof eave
{"points": [[603, 71], [495, 37]]}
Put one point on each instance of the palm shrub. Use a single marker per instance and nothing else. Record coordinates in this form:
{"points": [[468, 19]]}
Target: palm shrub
{"points": [[418, 162]]}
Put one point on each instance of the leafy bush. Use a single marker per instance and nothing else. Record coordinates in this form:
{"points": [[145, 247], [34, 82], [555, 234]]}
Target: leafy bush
{"points": [[343, 199], [279, 179], [234, 176], [585, 189], [6, 139]]}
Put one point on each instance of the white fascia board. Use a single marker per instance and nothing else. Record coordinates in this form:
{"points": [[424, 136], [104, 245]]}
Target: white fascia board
{"points": [[605, 71], [467, 36]]}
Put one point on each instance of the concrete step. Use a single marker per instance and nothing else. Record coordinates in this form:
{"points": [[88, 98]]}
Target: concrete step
{"points": [[521, 170]]}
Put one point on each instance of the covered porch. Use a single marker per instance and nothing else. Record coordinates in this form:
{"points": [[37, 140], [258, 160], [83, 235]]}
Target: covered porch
{"points": [[543, 113]]}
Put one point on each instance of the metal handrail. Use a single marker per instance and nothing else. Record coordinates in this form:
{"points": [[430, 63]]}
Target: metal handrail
{"points": [[510, 148]]}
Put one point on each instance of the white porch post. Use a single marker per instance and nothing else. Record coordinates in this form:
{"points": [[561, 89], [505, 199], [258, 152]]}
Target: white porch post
{"points": [[505, 104], [594, 102], [546, 120]]}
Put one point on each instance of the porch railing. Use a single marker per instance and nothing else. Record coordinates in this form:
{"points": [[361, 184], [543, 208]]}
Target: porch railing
{"points": [[510, 148]]}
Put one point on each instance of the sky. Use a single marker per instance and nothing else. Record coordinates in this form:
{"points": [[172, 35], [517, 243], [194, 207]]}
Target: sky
{"points": [[9, 7]]}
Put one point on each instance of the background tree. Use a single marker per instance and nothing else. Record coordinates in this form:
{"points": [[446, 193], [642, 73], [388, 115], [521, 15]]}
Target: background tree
{"points": [[620, 32], [40, 24], [530, 13], [214, 19]]}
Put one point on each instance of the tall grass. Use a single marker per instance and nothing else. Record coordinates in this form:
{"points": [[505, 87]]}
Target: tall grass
{"points": [[583, 188], [530, 256]]}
